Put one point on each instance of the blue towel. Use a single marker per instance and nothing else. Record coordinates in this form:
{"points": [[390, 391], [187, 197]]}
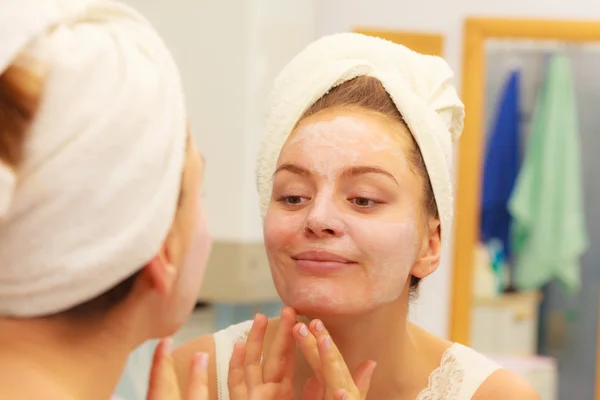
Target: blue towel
{"points": [[501, 166]]}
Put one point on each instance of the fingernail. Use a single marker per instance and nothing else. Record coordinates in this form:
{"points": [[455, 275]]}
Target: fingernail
{"points": [[341, 394], [303, 331], [327, 342], [171, 269], [168, 345], [202, 360], [319, 327]]}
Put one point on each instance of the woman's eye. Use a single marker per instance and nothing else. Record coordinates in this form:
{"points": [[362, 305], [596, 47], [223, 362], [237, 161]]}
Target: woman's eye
{"points": [[294, 200], [363, 202]]}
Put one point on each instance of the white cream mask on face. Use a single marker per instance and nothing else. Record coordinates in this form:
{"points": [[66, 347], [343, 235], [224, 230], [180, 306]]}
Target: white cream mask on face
{"points": [[385, 246], [419, 85], [327, 135]]}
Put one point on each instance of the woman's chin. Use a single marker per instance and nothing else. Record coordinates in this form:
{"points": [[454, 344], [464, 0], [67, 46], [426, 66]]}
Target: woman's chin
{"points": [[322, 310], [325, 300]]}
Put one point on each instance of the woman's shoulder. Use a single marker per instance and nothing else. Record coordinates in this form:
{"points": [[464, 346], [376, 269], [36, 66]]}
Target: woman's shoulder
{"points": [[483, 378], [212, 343], [506, 384], [468, 374]]}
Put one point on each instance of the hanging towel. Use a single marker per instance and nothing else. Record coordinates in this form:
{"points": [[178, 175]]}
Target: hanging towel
{"points": [[548, 233], [501, 166]]}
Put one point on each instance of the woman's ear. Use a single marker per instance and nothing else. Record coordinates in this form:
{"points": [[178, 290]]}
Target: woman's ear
{"points": [[429, 258], [161, 272]]}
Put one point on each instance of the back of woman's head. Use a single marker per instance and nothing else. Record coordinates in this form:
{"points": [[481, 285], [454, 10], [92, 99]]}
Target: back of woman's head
{"points": [[93, 141]]}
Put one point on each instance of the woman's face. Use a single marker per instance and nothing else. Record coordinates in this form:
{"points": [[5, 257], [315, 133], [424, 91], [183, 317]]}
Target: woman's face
{"points": [[344, 226]]}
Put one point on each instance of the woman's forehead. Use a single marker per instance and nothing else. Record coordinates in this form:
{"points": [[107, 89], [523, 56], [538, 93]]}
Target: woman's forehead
{"points": [[345, 136]]}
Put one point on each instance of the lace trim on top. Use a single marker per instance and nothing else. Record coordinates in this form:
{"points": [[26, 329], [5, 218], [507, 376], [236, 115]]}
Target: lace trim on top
{"points": [[445, 381]]}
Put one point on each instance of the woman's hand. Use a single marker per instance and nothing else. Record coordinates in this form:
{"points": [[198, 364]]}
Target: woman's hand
{"points": [[333, 380], [163, 382], [253, 378]]}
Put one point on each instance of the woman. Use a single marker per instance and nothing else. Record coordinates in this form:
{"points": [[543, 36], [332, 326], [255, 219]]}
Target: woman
{"points": [[103, 240], [355, 185]]}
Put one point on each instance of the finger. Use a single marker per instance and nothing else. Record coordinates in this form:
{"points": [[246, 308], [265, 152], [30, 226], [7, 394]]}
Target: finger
{"points": [[198, 382], [235, 377], [163, 381], [362, 377], [279, 362], [335, 371], [254, 348], [155, 370], [308, 345], [313, 389], [343, 394]]}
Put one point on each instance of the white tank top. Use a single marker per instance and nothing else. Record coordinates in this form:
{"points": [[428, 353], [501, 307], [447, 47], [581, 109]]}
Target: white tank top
{"points": [[461, 372]]}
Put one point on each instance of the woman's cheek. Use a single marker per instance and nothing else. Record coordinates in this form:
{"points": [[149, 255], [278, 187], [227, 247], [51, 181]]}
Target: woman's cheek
{"points": [[390, 249]]}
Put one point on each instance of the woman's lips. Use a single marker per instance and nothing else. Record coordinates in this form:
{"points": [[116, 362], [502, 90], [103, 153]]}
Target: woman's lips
{"points": [[321, 261]]}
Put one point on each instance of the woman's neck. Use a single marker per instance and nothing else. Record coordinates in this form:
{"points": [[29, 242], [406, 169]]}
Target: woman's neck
{"points": [[42, 358], [385, 336]]}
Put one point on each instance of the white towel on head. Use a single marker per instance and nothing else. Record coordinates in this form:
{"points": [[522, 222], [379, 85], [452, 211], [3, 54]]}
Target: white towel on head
{"points": [[420, 86], [97, 191]]}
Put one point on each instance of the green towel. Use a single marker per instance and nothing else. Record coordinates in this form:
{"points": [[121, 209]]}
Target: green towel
{"points": [[548, 232]]}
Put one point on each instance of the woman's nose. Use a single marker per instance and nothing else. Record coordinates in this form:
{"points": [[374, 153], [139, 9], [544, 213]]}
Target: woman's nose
{"points": [[323, 221]]}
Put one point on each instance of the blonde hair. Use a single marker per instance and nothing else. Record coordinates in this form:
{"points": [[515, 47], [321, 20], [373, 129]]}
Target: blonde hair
{"points": [[20, 93]]}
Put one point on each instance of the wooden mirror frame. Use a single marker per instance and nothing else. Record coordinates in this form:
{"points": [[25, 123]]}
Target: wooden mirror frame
{"points": [[471, 148]]}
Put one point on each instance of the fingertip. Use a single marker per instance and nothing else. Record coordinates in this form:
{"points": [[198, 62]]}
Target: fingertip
{"points": [[259, 317], [341, 394], [167, 346], [327, 342], [260, 320], [317, 327], [372, 366], [288, 312], [324, 343], [201, 361], [296, 330]]}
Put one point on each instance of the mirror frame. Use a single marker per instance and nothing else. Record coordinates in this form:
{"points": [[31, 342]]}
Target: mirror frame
{"points": [[471, 148]]}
